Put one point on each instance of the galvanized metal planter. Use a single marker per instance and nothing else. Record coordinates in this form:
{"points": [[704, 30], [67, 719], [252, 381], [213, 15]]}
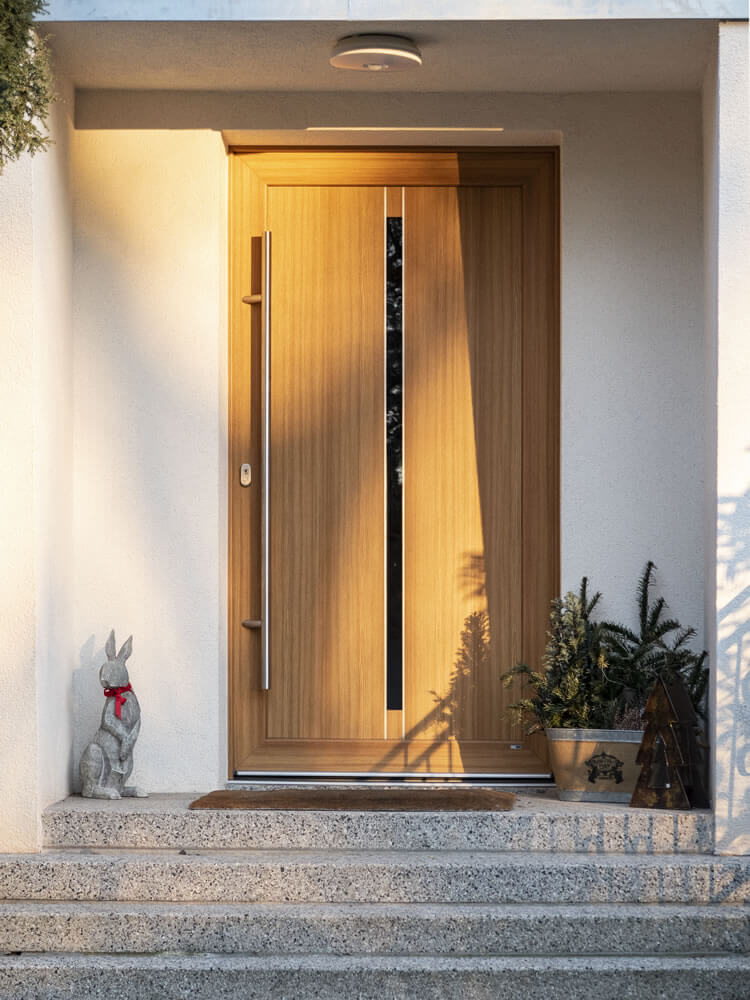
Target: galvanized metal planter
{"points": [[594, 765]]}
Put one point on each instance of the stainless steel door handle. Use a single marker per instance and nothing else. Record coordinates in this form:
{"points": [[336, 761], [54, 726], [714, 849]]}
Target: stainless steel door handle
{"points": [[265, 665], [263, 623]]}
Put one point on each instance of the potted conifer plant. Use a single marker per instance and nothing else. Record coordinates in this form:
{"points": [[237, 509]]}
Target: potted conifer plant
{"points": [[659, 648], [594, 682]]}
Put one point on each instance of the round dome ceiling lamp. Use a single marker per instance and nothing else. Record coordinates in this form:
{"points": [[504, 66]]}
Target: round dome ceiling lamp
{"points": [[376, 53]]}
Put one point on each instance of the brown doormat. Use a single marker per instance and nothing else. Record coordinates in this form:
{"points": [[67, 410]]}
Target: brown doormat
{"points": [[407, 799]]}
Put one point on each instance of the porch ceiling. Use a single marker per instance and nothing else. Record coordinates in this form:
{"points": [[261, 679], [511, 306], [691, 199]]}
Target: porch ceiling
{"points": [[459, 56]]}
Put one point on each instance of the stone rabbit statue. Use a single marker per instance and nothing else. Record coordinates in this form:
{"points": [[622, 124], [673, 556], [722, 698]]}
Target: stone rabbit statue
{"points": [[107, 761]]}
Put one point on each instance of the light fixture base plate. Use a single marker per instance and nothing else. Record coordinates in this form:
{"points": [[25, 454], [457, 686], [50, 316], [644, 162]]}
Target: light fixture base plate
{"points": [[375, 53]]}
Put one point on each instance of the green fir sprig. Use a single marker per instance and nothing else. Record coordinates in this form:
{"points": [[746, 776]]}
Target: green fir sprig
{"points": [[573, 691], [598, 675], [660, 648], [26, 90]]}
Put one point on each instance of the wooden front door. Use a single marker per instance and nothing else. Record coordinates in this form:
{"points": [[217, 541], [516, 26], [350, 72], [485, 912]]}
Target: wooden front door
{"points": [[393, 457]]}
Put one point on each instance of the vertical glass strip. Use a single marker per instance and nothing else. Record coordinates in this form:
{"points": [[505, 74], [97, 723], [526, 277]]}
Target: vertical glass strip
{"points": [[394, 463]]}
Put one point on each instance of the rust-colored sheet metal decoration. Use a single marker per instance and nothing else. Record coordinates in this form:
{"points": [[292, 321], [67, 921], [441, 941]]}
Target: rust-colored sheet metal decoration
{"points": [[671, 756], [693, 744], [406, 799]]}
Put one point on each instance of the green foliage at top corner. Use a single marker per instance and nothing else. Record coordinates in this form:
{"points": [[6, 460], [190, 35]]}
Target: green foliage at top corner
{"points": [[599, 674], [25, 81]]}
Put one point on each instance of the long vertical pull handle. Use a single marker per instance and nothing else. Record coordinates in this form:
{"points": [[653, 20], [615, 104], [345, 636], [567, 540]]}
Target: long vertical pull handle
{"points": [[265, 633], [263, 624]]}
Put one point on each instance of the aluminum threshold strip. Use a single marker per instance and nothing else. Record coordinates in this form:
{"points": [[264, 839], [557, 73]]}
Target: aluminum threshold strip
{"points": [[240, 776]]}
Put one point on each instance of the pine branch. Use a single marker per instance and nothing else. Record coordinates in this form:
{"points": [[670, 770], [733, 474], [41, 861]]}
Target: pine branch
{"points": [[25, 81]]}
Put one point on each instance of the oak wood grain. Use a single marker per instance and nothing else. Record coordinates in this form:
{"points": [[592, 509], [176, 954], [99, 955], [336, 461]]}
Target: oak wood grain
{"points": [[394, 197], [394, 724], [327, 481], [462, 457], [396, 168], [394, 757], [246, 719]]}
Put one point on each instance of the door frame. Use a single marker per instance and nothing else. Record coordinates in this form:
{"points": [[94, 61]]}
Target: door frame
{"points": [[534, 169]]}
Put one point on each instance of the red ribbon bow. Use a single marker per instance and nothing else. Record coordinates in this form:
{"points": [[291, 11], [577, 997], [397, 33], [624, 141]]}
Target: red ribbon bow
{"points": [[118, 695]]}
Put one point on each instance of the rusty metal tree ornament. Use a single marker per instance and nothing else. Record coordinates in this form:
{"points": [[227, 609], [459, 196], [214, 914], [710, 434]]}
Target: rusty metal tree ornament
{"points": [[659, 784], [671, 752]]}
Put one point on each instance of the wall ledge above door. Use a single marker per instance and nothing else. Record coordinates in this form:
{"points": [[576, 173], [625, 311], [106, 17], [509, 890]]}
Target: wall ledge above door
{"points": [[392, 10]]}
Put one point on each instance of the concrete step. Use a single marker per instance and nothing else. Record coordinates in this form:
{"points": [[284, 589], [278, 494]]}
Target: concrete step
{"points": [[374, 929], [539, 822], [375, 876], [54, 977]]}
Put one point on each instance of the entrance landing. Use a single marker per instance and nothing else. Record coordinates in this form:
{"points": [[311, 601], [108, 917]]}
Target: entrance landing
{"points": [[538, 822]]}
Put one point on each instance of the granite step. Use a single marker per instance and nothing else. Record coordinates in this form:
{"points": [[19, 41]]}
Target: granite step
{"points": [[430, 977], [538, 823], [373, 929], [375, 876]]}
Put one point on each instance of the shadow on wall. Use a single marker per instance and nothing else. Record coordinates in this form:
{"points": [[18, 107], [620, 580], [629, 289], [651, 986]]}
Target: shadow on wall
{"points": [[473, 659], [733, 675], [87, 701]]}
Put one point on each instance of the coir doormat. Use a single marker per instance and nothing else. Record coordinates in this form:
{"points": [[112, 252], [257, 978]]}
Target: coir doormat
{"points": [[406, 799]]}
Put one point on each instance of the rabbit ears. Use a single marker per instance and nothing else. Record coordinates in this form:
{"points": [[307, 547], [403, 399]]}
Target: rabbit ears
{"points": [[125, 651]]}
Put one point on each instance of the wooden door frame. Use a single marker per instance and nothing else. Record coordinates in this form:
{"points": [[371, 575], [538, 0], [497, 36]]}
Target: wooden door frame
{"points": [[536, 171]]}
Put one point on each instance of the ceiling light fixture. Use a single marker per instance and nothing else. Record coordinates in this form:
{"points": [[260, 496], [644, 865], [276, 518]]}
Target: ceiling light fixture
{"points": [[375, 53]]}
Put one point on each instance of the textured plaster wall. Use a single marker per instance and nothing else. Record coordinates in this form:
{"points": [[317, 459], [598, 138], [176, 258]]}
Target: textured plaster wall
{"points": [[150, 344], [632, 343], [35, 377], [148, 519], [727, 134], [53, 479], [18, 723]]}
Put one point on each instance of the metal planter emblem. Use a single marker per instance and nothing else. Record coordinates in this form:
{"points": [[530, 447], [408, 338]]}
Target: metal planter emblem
{"points": [[604, 766]]}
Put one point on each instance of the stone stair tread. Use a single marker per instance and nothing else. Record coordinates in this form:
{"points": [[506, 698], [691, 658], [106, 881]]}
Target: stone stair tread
{"points": [[539, 822], [408, 857], [427, 977], [398, 876], [361, 857], [526, 910], [373, 928]]}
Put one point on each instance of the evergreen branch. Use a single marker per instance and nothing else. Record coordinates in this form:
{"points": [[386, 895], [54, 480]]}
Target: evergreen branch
{"points": [[25, 81]]}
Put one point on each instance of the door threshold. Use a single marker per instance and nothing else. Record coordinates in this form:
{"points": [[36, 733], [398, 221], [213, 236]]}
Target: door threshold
{"points": [[242, 778]]}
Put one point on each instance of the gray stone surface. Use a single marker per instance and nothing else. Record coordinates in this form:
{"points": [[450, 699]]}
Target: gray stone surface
{"points": [[148, 899], [375, 876], [365, 928], [210, 977], [540, 822]]}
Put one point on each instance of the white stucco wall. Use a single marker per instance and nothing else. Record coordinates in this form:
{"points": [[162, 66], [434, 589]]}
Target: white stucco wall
{"points": [[53, 480], [149, 484], [35, 376], [727, 153], [632, 343], [149, 512], [18, 724]]}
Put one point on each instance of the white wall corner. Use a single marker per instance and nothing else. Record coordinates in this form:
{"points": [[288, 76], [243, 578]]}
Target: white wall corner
{"points": [[53, 468], [727, 205], [35, 387], [19, 816], [710, 190]]}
